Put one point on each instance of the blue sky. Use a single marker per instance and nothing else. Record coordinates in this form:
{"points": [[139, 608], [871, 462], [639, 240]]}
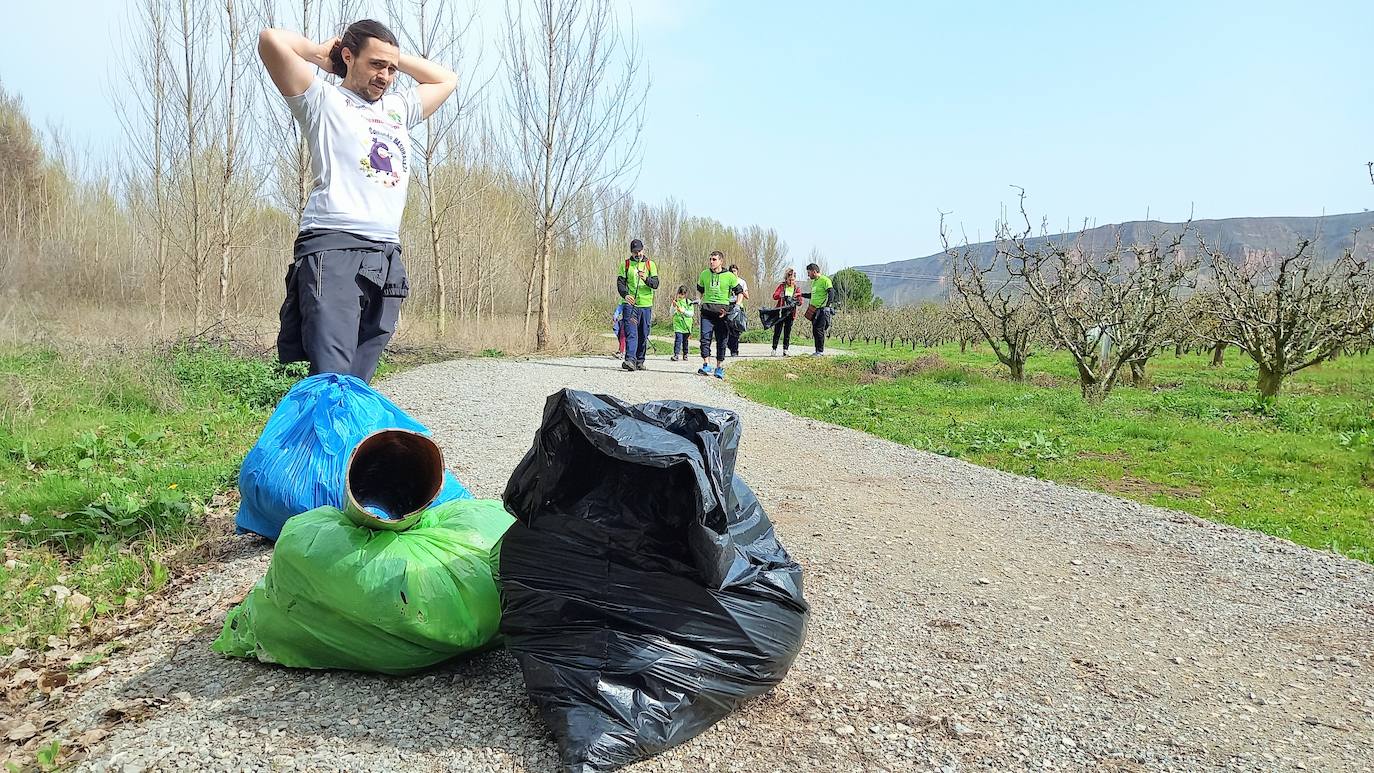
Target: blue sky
{"points": [[851, 126]]}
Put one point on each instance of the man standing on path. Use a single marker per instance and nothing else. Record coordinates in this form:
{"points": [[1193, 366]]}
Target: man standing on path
{"points": [[819, 310], [346, 282], [636, 284], [718, 289]]}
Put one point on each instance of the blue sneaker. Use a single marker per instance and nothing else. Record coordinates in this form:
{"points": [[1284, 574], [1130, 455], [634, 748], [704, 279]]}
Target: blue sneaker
{"points": [[720, 372], [705, 370]]}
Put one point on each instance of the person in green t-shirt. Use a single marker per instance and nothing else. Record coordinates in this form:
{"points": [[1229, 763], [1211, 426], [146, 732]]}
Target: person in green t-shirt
{"points": [[682, 324], [821, 295], [636, 284], [718, 289]]}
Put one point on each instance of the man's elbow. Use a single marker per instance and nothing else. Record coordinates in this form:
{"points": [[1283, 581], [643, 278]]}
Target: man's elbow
{"points": [[267, 42], [450, 84]]}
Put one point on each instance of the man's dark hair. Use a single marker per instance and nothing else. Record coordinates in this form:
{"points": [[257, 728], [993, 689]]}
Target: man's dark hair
{"points": [[813, 267], [717, 254], [733, 268], [354, 39]]}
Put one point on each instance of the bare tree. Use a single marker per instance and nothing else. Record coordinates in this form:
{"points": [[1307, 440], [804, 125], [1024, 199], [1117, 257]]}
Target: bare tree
{"points": [[143, 114], [993, 300], [445, 178], [1106, 310], [1290, 313], [189, 152], [575, 104], [230, 203], [773, 255]]}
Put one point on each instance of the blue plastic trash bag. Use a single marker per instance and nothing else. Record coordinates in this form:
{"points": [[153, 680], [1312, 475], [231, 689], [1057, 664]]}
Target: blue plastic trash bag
{"points": [[298, 464]]}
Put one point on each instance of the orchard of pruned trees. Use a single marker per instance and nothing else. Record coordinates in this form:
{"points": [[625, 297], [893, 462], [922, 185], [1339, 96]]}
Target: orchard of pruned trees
{"points": [[1112, 309]]}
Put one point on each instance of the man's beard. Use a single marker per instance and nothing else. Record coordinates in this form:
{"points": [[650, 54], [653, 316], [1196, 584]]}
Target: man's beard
{"points": [[367, 90]]}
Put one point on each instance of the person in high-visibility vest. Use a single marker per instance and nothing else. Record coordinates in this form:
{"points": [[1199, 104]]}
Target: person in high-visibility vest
{"points": [[719, 289], [636, 284]]}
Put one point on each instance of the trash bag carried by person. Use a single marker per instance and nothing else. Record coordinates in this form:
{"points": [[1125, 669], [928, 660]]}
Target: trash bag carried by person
{"points": [[643, 590], [739, 321], [343, 595], [298, 462]]}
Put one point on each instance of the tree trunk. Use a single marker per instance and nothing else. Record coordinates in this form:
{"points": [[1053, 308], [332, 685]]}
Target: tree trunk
{"points": [[440, 285], [161, 282], [529, 295], [223, 262], [1218, 354], [1178, 349], [541, 331], [1269, 382], [1018, 368], [1137, 373], [1094, 389]]}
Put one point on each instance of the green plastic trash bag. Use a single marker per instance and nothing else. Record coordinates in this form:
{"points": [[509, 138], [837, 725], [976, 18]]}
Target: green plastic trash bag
{"points": [[338, 595]]}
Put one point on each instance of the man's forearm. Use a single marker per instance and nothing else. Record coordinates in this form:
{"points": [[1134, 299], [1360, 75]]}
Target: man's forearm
{"points": [[425, 71], [307, 49]]}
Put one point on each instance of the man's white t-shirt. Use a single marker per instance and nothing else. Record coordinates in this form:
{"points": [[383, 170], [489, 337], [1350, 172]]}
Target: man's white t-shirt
{"points": [[360, 156]]}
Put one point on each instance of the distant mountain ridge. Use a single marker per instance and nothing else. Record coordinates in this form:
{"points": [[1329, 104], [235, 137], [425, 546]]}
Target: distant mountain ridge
{"points": [[925, 279]]}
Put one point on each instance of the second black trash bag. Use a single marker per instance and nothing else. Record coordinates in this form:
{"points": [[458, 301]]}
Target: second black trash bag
{"points": [[643, 590]]}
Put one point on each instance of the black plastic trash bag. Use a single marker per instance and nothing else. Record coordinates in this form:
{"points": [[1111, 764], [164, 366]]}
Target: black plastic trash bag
{"points": [[643, 590], [770, 317], [737, 319]]}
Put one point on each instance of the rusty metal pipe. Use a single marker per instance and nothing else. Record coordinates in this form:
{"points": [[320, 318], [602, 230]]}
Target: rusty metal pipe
{"points": [[393, 476]]}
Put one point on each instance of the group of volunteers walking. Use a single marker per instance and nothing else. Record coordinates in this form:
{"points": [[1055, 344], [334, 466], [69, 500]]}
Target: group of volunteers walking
{"points": [[721, 295], [346, 281]]}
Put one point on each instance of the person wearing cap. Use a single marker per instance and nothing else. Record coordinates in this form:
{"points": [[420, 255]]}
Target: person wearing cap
{"points": [[636, 284]]}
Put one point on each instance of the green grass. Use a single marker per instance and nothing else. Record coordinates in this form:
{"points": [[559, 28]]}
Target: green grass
{"points": [[1194, 438], [107, 461]]}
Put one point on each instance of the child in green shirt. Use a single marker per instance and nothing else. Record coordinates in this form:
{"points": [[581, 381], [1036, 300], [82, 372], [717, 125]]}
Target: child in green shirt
{"points": [[682, 324]]}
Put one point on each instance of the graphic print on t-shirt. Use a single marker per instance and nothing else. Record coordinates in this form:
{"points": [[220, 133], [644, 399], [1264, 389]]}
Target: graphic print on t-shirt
{"points": [[359, 158], [378, 164], [381, 158]]}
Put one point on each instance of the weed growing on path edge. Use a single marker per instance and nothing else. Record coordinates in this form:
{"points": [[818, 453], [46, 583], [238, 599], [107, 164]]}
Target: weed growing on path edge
{"points": [[108, 460], [1301, 468]]}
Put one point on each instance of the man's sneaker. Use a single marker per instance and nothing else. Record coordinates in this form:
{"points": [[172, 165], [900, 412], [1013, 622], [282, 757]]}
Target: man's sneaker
{"points": [[674, 358], [775, 353], [818, 354], [784, 352], [627, 365], [704, 371], [720, 372]]}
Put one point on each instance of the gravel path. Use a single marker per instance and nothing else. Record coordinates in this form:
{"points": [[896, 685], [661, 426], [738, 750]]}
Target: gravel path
{"points": [[964, 619]]}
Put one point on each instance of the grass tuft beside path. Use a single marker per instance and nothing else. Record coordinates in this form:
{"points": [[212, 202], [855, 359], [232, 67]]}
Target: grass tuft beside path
{"points": [[108, 460]]}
